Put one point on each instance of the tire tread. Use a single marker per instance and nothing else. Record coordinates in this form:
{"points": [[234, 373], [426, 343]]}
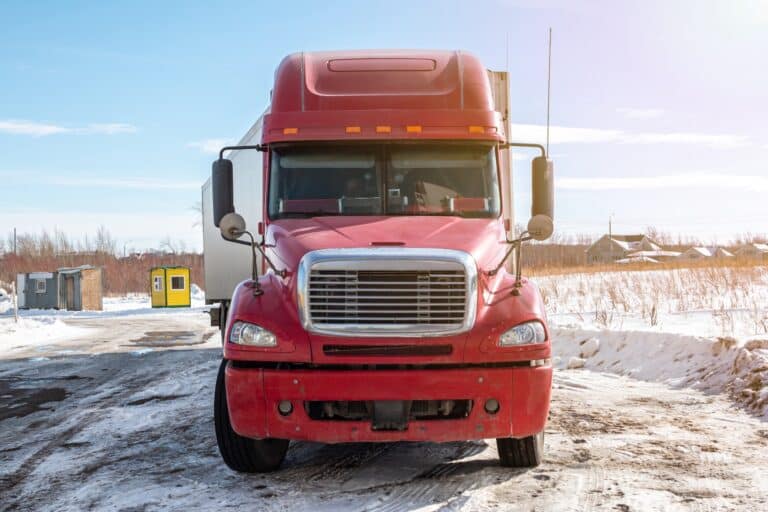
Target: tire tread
{"points": [[242, 453]]}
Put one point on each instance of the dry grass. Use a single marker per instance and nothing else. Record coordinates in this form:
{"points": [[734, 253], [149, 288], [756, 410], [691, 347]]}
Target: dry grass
{"points": [[731, 293], [675, 264]]}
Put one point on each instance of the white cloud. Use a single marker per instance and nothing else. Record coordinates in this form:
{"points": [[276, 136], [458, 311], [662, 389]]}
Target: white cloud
{"points": [[109, 128], [687, 181], [211, 146], [42, 129], [572, 135], [640, 113], [30, 128]]}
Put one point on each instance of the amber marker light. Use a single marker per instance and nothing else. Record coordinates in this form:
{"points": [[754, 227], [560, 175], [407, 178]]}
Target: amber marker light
{"points": [[290, 131], [353, 129], [383, 129], [476, 129], [413, 128]]}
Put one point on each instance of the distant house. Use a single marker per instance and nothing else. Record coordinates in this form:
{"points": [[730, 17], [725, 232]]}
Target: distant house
{"points": [[655, 256], [695, 253], [609, 249], [637, 259], [753, 251]]}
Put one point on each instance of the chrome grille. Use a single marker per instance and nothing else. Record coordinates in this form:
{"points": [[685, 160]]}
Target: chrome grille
{"points": [[387, 292], [387, 297]]}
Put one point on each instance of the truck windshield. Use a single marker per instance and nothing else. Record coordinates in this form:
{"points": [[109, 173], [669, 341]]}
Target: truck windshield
{"points": [[384, 179]]}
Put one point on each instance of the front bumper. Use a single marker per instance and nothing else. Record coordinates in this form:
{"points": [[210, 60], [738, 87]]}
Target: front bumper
{"points": [[254, 393]]}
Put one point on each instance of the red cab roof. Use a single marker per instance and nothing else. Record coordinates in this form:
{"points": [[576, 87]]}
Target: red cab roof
{"points": [[376, 94]]}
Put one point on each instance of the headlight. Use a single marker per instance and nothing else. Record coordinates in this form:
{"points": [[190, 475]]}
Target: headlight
{"points": [[244, 333], [523, 334]]}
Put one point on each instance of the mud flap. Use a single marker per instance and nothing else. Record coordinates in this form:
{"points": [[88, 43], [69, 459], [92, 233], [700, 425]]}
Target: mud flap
{"points": [[390, 415]]}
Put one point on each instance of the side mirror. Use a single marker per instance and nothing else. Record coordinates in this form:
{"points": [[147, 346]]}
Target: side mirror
{"points": [[543, 179], [232, 226], [223, 194], [540, 227]]}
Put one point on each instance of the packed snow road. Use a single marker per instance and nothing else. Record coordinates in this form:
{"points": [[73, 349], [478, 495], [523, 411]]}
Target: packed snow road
{"points": [[119, 417]]}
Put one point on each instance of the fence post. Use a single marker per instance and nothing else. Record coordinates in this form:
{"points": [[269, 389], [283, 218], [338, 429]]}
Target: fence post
{"points": [[15, 303]]}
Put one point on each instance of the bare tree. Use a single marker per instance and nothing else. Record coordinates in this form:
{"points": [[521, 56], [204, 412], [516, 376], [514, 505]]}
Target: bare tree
{"points": [[105, 244]]}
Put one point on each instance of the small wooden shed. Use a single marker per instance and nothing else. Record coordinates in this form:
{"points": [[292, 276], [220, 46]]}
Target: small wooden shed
{"points": [[170, 287], [80, 288], [74, 289]]}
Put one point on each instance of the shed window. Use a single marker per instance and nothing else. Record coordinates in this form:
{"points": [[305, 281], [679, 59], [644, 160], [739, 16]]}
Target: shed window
{"points": [[177, 283], [158, 284], [39, 285]]}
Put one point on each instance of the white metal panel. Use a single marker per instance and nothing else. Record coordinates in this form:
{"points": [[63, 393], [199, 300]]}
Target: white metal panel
{"points": [[41, 275], [226, 264], [500, 89], [20, 290]]}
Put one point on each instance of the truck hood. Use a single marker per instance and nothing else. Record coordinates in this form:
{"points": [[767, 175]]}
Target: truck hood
{"points": [[292, 238]]}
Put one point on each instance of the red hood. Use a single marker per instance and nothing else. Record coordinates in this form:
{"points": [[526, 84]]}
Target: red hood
{"points": [[482, 238]]}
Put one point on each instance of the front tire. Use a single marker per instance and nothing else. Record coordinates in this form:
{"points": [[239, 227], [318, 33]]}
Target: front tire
{"points": [[240, 453], [521, 453]]}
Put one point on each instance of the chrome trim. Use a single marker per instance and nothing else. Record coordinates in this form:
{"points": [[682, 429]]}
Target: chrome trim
{"points": [[387, 258]]}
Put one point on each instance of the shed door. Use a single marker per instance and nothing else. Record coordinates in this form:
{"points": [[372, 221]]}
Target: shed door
{"points": [[69, 284], [158, 287]]}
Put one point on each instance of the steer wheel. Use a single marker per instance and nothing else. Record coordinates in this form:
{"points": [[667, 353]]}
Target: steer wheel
{"points": [[243, 453], [521, 453]]}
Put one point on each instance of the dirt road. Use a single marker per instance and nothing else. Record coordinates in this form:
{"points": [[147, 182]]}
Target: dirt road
{"points": [[121, 419]]}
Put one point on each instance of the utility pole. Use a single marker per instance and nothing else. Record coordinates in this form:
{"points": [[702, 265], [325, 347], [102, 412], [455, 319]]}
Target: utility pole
{"points": [[15, 303], [14, 241]]}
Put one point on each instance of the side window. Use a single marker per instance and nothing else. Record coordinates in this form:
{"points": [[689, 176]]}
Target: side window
{"points": [[177, 283], [158, 284], [40, 286]]}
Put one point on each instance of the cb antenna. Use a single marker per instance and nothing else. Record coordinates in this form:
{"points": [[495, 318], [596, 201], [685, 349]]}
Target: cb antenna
{"points": [[549, 82]]}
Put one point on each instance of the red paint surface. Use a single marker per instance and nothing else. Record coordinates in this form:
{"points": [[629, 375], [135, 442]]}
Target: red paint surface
{"points": [[253, 395]]}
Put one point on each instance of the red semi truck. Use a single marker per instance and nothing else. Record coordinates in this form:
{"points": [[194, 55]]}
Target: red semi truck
{"points": [[385, 301]]}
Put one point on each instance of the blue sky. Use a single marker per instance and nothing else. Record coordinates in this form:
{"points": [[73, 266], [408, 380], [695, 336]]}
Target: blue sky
{"points": [[658, 108]]}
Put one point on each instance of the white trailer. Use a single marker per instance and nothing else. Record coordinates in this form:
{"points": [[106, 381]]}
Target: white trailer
{"points": [[227, 264]]}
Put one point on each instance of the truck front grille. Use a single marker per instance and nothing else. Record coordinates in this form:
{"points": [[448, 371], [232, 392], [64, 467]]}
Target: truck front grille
{"points": [[387, 292], [387, 297]]}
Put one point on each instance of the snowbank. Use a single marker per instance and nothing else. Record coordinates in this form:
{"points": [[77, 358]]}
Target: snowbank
{"points": [[6, 303], [34, 332], [713, 365], [38, 327]]}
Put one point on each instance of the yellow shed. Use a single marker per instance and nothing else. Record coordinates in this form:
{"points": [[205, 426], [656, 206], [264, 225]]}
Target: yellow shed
{"points": [[170, 287]]}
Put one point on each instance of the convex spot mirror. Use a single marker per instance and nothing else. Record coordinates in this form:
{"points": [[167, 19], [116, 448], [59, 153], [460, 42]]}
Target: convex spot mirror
{"points": [[232, 226], [540, 227]]}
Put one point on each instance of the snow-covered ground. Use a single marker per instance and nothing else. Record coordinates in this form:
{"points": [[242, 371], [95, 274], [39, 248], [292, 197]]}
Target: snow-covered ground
{"points": [[43, 327], [650, 411], [717, 301], [705, 328]]}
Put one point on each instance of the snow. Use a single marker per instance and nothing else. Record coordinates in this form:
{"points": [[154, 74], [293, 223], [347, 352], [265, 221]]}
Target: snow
{"points": [[6, 303], [43, 327], [717, 301], [38, 332], [589, 347], [701, 328], [646, 379]]}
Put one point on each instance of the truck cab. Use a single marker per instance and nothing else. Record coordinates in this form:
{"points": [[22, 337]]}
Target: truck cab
{"points": [[371, 207]]}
